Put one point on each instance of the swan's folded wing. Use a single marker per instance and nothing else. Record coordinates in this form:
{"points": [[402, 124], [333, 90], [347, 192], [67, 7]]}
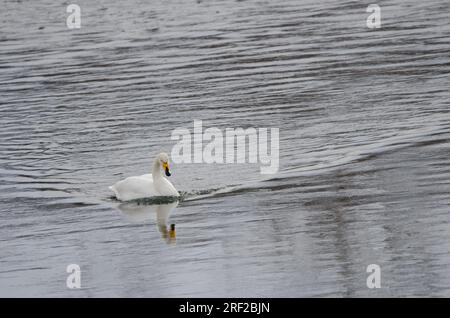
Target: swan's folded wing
{"points": [[134, 188]]}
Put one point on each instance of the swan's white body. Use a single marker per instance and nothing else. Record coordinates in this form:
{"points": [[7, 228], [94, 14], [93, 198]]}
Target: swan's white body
{"points": [[147, 185]]}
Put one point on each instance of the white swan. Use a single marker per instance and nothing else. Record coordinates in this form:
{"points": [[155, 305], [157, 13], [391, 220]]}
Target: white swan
{"points": [[147, 185]]}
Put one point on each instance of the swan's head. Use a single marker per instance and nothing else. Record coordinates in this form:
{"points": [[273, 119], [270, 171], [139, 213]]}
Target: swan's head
{"points": [[163, 159]]}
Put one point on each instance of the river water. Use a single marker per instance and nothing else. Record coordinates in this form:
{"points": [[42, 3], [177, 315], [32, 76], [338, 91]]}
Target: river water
{"points": [[364, 123]]}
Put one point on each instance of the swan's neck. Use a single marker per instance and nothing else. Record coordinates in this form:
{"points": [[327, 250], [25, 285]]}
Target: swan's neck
{"points": [[156, 171]]}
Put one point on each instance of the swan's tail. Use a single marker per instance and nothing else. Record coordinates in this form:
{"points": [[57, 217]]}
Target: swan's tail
{"points": [[113, 189]]}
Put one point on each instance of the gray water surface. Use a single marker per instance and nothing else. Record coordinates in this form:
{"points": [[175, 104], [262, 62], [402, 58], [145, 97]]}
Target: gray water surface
{"points": [[364, 123]]}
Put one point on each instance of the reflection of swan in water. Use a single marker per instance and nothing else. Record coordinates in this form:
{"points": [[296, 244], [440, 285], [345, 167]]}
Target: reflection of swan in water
{"points": [[143, 212]]}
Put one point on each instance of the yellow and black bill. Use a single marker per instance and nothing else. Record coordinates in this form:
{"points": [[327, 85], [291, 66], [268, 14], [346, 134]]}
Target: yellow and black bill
{"points": [[166, 168]]}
